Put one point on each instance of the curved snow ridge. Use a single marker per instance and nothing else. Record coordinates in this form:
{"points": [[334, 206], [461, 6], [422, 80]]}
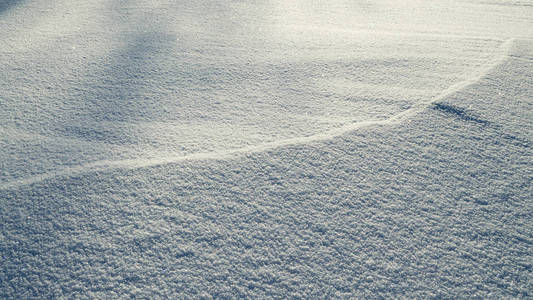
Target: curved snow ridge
{"points": [[401, 33], [503, 50]]}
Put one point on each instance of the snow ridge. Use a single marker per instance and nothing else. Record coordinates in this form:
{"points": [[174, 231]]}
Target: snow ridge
{"points": [[503, 53]]}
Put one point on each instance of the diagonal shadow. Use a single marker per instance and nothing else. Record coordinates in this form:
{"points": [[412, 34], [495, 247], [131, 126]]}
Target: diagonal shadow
{"points": [[118, 94], [7, 4], [459, 113]]}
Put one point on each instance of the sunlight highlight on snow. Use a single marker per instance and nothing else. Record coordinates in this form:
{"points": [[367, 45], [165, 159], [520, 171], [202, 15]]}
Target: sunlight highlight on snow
{"points": [[132, 80], [306, 149]]}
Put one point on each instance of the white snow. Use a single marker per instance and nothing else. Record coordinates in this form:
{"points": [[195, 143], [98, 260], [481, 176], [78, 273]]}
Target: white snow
{"points": [[266, 149]]}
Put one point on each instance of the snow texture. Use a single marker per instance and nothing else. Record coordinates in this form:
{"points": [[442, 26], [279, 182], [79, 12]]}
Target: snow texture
{"points": [[266, 149]]}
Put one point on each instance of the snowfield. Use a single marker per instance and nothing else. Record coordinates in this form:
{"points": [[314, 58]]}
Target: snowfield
{"points": [[266, 149]]}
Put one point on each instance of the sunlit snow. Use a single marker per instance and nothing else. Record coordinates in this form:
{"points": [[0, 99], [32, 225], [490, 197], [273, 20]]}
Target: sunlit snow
{"points": [[266, 148]]}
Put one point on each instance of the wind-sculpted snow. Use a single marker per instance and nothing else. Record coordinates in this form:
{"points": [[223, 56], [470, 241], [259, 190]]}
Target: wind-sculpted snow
{"points": [[276, 149], [124, 81], [224, 154], [435, 207]]}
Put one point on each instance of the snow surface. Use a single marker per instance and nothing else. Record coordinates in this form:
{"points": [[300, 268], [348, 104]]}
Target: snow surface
{"points": [[265, 149]]}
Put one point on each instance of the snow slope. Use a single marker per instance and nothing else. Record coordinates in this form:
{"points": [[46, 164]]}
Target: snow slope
{"points": [[266, 149]]}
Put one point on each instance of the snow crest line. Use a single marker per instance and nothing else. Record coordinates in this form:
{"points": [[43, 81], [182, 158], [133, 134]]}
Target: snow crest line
{"points": [[135, 163]]}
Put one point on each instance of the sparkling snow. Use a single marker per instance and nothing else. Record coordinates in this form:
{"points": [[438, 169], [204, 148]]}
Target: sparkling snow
{"points": [[366, 149]]}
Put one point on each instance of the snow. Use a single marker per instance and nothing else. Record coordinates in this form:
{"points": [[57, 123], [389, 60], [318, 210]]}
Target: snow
{"points": [[266, 149]]}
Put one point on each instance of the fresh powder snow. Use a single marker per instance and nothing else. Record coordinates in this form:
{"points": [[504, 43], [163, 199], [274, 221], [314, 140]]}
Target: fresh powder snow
{"points": [[266, 149]]}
